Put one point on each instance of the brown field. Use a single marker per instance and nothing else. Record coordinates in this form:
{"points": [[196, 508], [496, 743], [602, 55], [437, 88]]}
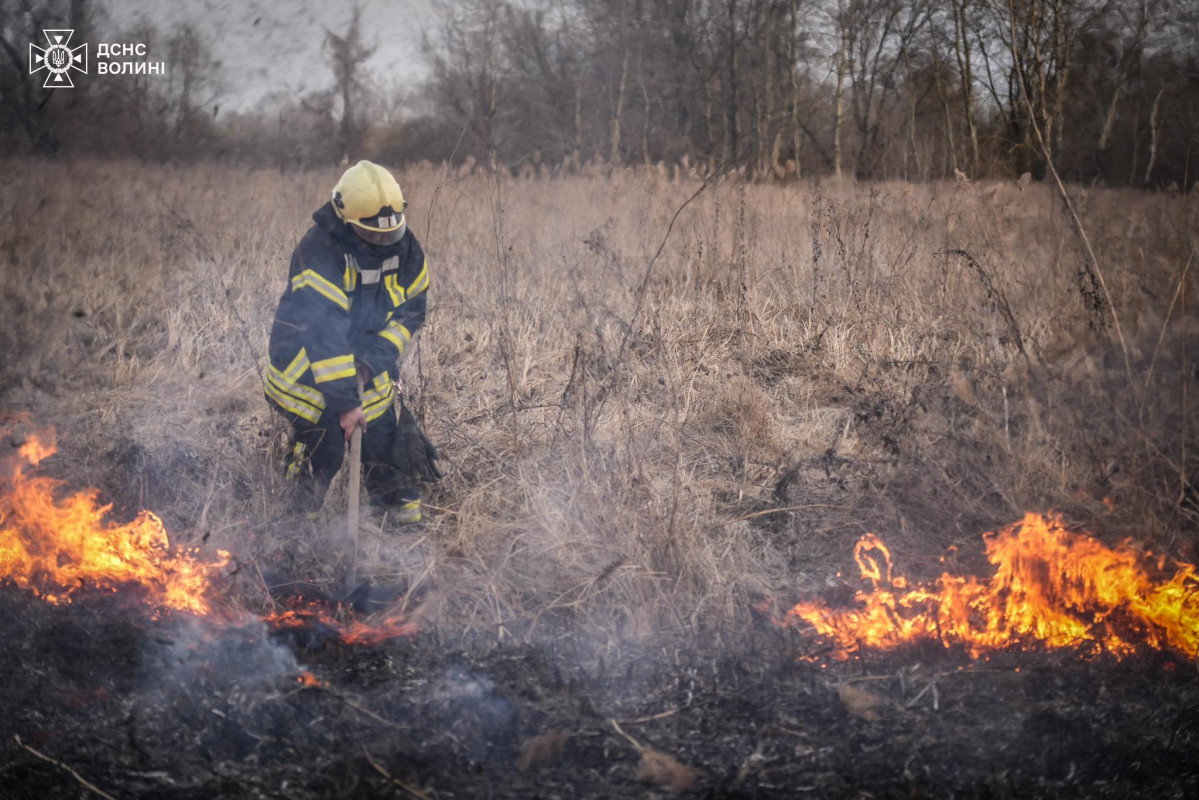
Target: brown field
{"points": [[652, 433], [636, 442]]}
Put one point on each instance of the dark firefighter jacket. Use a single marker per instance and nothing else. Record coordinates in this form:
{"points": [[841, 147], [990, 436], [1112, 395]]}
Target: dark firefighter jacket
{"points": [[345, 300]]}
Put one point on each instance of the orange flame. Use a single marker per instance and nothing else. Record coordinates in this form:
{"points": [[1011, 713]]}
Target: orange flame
{"points": [[1051, 587], [309, 681], [54, 547], [352, 631], [35, 450]]}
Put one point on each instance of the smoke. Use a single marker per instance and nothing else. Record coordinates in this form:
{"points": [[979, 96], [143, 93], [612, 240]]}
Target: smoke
{"points": [[226, 692], [191, 650], [467, 716]]}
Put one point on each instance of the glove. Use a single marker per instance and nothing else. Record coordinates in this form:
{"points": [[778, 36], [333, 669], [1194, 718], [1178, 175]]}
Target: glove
{"points": [[412, 453]]}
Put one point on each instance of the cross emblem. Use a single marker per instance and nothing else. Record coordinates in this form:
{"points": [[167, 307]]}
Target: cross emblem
{"points": [[58, 59]]}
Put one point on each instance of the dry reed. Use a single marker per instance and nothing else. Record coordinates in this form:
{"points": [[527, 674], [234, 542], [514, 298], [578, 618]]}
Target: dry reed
{"points": [[923, 361]]}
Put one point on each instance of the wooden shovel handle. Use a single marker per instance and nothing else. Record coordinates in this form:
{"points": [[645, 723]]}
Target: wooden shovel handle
{"points": [[354, 491]]}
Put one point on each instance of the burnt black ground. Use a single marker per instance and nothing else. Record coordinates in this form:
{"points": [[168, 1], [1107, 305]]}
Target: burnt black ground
{"points": [[178, 708]]}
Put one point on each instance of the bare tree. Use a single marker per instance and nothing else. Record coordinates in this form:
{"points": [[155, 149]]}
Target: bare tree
{"points": [[926, 87], [1137, 22], [22, 100], [845, 28], [194, 82], [618, 106], [347, 53], [879, 33], [546, 48], [793, 68], [962, 40], [470, 75]]}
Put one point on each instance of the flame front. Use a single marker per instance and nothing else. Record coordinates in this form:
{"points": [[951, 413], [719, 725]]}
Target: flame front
{"points": [[55, 548], [1051, 587], [353, 631]]}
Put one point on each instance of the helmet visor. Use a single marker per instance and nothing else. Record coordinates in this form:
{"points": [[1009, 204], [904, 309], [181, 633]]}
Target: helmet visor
{"points": [[382, 237], [388, 219]]}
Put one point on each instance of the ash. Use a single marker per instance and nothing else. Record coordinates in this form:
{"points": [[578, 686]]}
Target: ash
{"points": [[190, 650], [187, 708]]}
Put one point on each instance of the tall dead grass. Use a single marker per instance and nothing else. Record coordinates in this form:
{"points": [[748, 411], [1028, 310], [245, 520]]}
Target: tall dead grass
{"points": [[630, 449]]}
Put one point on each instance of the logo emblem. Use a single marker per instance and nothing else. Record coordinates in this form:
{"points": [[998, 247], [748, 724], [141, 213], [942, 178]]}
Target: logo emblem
{"points": [[58, 59]]}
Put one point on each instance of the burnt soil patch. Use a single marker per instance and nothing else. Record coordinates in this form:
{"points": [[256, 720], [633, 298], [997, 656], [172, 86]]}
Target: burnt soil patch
{"points": [[185, 708]]}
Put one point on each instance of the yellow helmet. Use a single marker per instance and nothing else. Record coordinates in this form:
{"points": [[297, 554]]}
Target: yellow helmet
{"points": [[368, 197]]}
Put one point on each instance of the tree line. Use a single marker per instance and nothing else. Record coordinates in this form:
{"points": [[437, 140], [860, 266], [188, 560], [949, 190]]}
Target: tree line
{"points": [[876, 89]]}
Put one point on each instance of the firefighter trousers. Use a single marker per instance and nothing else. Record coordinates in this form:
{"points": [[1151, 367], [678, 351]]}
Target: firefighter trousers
{"points": [[318, 451]]}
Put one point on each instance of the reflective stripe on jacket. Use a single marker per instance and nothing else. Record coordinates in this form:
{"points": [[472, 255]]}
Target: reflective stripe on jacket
{"points": [[345, 301]]}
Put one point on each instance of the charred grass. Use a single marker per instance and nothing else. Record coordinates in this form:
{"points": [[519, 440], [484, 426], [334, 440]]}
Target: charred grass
{"points": [[647, 434]]}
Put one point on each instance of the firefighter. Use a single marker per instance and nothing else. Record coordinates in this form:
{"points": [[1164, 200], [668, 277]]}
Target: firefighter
{"points": [[356, 294]]}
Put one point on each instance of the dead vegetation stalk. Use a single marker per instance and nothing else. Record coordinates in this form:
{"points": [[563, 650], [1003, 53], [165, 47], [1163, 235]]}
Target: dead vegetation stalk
{"points": [[396, 781], [1078, 226], [780, 383], [649, 268], [79, 778]]}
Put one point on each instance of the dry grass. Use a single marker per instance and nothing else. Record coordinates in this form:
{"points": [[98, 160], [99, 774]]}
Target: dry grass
{"points": [[923, 361]]}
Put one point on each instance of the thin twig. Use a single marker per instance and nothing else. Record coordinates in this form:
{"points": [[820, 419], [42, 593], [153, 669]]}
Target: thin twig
{"points": [[437, 189], [91, 787], [751, 761], [764, 512], [439, 509], [649, 268], [265, 588], [378, 768], [1082, 233], [359, 708], [638, 746], [211, 493], [363, 710], [945, 674], [421, 609], [471, 440], [651, 718], [995, 294], [920, 694], [1169, 312], [645, 280]]}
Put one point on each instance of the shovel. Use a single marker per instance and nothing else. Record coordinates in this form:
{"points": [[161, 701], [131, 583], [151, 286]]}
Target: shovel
{"points": [[362, 595], [351, 580]]}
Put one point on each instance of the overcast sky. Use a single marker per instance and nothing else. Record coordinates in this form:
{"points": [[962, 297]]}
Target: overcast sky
{"points": [[268, 46]]}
